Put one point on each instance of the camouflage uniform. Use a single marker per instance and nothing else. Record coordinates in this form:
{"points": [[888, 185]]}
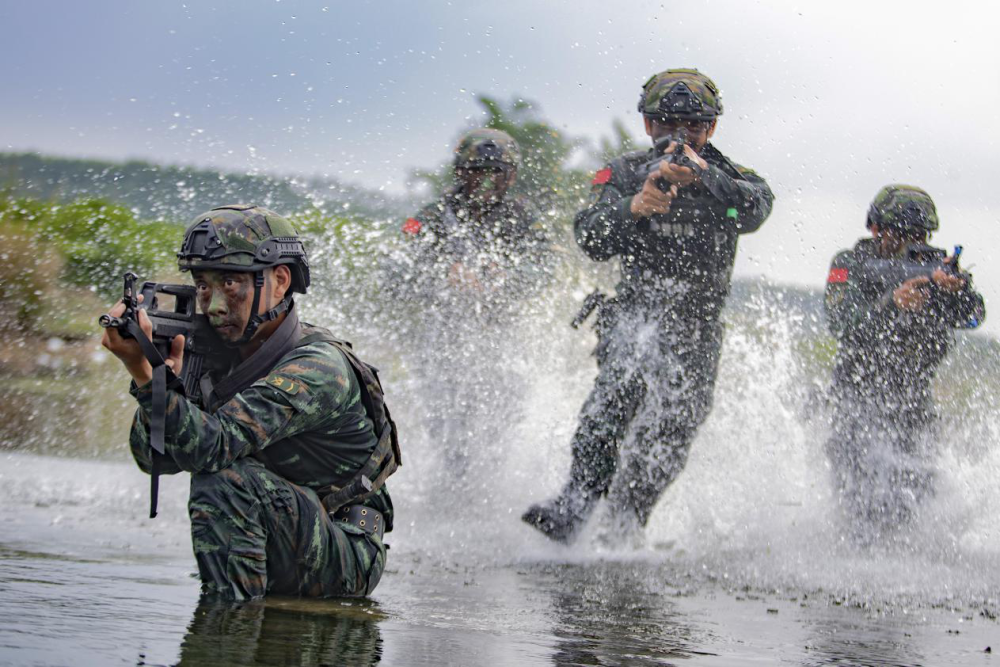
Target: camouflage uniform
{"points": [[884, 422], [257, 460], [463, 396], [660, 337]]}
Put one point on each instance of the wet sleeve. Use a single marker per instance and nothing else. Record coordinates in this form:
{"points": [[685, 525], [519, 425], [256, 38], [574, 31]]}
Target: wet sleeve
{"points": [[417, 238], [533, 263], [964, 309], [602, 230], [749, 200], [308, 390], [847, 308], [409, 267]]}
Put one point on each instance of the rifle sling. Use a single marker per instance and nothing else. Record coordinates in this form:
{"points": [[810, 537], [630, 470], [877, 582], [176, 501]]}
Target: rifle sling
{"points": [[157, 421]]}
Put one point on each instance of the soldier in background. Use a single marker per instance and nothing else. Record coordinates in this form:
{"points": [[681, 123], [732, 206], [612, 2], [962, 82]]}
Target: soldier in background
{"points": [[472, 261], [891, 338], [476, 244], [674, 227]]}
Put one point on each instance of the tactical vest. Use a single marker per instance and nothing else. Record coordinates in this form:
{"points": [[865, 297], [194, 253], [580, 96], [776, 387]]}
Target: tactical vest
{"points": [[384, 459], [695, 241]]}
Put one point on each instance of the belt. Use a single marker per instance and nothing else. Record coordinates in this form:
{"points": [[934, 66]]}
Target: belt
{"points": [[366, 518]]}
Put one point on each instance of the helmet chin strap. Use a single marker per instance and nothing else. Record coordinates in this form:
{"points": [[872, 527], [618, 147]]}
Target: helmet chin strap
{"points": [[256, 319]]}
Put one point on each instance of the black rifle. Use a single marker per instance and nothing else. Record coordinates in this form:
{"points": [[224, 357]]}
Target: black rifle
{"points": [[200, 342], [918, 260], [660, 156]]}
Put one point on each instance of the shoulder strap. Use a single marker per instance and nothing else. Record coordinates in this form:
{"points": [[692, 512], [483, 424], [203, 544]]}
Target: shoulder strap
{"points": [[385, 458]]}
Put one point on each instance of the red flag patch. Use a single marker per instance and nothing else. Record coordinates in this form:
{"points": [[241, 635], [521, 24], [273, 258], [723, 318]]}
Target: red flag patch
{"points": [[602, 177], [837, 276], [412, 226]]}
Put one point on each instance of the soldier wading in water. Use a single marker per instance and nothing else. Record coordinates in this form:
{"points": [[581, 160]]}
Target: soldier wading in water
{"points": [[286, 426], [472, 261], [892, 334], [675, 229]]}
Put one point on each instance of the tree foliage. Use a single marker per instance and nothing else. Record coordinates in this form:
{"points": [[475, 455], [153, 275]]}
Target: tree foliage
{"points": [[94, 242]]}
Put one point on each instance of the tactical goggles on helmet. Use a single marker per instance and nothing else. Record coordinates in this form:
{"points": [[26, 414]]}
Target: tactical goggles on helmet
{"points": [[903, 208], [488, 155], [680, 93], [203, 249]]}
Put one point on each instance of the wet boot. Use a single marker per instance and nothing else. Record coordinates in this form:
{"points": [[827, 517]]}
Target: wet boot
{"points": [[560, 519]]}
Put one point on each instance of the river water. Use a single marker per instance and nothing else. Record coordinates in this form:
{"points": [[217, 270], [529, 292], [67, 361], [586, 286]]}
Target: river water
{"points": [[743, 561]]}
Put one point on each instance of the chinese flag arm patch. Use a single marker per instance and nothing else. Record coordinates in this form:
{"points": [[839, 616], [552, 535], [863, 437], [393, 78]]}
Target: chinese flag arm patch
{"points": [[412, 226], [602, 177], [837, 276]]}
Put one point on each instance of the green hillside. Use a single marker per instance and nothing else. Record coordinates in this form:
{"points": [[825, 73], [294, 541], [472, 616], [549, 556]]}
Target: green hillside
{"points": [[175, 193]]}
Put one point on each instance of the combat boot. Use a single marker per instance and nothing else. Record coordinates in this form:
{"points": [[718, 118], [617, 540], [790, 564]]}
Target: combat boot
{"points": [[560, 519]]}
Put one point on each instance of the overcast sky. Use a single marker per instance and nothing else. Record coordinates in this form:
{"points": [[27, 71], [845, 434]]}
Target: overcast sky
{"points": [[829, 101]]}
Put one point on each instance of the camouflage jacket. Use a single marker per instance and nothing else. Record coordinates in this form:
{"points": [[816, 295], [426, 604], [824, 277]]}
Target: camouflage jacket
{"points": [[695, 241], [502, 245], [304, 419], [885, 353]]}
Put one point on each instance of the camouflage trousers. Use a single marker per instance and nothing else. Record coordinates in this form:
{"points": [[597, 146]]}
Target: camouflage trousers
{"points": [[255, 533], [654, 389]]}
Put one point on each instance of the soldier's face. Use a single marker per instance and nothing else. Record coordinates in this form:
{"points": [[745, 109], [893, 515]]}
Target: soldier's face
{"points": [[892, 241], [225, 298], [486, 185], [698, 132]]}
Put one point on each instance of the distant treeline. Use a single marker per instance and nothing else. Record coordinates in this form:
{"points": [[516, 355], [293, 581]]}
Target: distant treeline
{"points": [[172, 193], [175, 193]]}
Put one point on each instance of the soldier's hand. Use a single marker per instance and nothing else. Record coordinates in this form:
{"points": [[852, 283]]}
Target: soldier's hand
{"points": [[947, 281], [129, 352], [175, 360], [681, 176], [913, 294], [651, 200]]}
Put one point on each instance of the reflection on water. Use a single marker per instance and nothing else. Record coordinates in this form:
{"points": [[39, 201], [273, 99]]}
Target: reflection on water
{"points": [[283, 632]]}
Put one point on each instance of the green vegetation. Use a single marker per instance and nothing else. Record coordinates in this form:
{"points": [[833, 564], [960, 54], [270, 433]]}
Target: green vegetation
{"points": [[83, 245], [61, 265]]}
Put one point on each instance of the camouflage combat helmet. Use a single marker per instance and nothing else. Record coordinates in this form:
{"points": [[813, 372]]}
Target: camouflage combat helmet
{"points": [[685, 94], [486, 148], [246, 239], [903, 207]]}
